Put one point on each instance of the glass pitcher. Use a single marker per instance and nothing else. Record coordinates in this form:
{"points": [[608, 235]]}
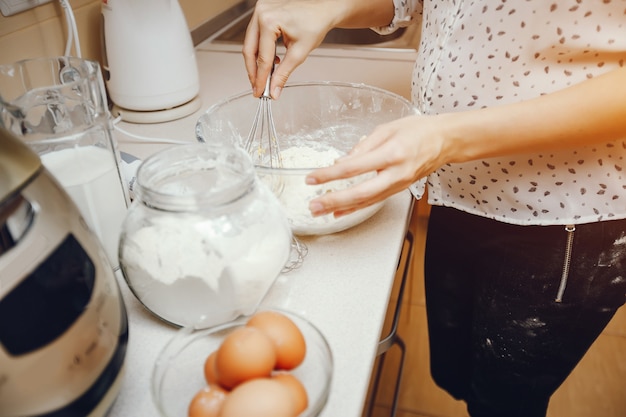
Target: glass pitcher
{"points": [[58, 106]]}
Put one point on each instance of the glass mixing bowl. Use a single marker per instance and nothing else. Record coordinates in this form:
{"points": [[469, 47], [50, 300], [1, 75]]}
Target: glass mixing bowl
{"points": [[178, 373], [316, 122]]}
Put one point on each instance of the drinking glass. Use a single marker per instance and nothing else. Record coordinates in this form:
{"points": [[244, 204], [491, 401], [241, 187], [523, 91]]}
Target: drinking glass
{"points": [[58, 106]]}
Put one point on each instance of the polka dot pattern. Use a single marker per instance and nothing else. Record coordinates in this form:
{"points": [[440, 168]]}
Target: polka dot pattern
{"points": [[480, 53]]}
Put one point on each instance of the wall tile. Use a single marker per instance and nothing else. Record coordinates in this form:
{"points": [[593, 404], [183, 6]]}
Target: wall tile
{"points": [[41, 31], [44, 39], [197, 12]]}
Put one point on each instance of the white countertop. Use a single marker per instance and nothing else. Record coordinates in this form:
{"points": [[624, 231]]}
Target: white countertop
{"points": [[345, 282]]}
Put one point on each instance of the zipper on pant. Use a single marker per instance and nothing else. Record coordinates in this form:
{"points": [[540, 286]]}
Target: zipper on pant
{"points": [[570, 228]]}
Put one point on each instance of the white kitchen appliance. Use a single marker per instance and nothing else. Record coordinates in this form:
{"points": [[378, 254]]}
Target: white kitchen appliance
{"points": [[149, 61], [63, 324]]}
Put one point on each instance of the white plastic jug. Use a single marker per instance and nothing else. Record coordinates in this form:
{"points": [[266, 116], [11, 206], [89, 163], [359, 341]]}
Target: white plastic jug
{"points": [[149, 58]]}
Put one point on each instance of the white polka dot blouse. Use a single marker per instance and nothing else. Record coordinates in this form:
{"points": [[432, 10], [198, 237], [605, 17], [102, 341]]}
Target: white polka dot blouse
{"points": [[480, 53]]}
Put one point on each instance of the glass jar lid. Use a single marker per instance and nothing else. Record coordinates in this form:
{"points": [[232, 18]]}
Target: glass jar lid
{"points": [[194, 177]]}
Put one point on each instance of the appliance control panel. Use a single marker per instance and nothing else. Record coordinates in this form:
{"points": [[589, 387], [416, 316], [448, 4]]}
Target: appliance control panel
{"points": [[11, 7]]}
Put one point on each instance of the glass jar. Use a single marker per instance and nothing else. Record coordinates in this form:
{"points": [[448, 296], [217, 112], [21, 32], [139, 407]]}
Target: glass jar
{"points": [[204, 239]]}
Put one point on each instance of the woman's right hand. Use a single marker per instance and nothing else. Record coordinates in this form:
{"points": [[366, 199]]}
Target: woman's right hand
{"points": [[302, 24]]}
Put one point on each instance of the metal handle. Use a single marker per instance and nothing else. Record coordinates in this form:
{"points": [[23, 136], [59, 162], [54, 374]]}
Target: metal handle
{"points": [[266, 91]]}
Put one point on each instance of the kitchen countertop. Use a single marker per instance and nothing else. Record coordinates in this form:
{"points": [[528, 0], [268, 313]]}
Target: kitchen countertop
{"points": [[345, 282]]}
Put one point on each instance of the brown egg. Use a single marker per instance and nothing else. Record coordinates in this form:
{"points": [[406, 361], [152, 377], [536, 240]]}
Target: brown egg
{"points": [[287, 337], [210, 372], [260, 397], [296, 389], [244, 354], [207, 402]]}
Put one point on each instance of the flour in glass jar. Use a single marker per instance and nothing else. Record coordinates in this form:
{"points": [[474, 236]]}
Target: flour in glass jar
{"points": [[194, 271]]}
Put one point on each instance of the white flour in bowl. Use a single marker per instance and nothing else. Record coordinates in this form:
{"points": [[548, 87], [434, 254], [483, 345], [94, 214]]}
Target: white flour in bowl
{"points": [[296, 194]]}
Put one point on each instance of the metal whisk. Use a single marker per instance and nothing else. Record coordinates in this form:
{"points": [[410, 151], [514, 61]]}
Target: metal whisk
{"points": [[262, 143], [263, 147]]}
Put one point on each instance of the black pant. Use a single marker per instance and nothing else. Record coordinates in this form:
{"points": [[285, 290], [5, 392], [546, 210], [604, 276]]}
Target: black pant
{"points": [[498, 338]]}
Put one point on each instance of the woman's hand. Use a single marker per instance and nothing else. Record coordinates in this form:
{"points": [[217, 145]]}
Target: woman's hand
{"points": [[301, 24], [401, 152]]}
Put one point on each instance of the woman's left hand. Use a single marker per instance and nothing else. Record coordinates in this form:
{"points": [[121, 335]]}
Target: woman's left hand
{"points": [[401, 152]]}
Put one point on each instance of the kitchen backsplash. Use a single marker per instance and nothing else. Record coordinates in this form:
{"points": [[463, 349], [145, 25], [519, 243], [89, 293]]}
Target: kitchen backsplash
{"points": [[42, 32]]}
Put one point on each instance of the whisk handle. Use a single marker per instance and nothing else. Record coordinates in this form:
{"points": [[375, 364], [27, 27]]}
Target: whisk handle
{"points": [[266, 91]]}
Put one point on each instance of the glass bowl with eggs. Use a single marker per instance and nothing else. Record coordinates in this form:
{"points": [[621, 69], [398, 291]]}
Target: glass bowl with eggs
{"points": [[315, 123], [273, 363]]}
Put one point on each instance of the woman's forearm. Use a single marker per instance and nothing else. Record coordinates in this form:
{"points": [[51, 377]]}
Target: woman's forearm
{"points": [[593, 111]]}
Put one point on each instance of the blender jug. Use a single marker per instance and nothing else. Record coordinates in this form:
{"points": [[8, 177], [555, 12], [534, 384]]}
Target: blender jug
{"points": [[63, 323]]}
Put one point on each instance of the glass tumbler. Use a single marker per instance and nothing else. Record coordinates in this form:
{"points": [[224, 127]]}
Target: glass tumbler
{"points": [[58, 106]]}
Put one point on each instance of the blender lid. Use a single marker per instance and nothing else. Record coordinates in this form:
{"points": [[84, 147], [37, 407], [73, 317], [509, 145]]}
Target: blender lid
{"points": [[18, 163]]}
